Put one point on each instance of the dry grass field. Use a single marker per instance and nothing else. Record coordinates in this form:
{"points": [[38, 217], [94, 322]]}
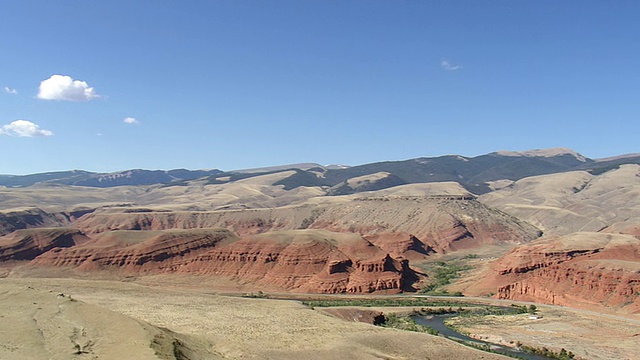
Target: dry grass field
{"points": [[181, 319], [119, 320]]}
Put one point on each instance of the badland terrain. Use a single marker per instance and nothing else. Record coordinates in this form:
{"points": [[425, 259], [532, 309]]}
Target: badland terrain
{"points": [[545, 226]]}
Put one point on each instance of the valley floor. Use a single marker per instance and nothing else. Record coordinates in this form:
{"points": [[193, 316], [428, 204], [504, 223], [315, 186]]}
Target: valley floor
{"points": [[114, 319], [71, 318], [589, 335]]}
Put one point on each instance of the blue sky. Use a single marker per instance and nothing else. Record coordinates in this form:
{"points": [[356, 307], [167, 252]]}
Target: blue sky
{"points": [[239, 84]]}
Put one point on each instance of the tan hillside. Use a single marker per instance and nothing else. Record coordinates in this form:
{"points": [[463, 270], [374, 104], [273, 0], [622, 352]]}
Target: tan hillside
{"points": [[444, 224], [575, 201], [60, 198], [117, 320], [39, 322], [426, 189], [552, 152]]}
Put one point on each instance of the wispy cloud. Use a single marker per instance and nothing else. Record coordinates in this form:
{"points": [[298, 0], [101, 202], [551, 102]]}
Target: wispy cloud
{"points": [[24, 128], [62, 87], [445, 64], [131, 121], [9, 90]]}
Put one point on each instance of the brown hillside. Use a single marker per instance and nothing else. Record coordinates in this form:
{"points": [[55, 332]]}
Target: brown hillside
{"points": [[28, 244], [12, 220], [440, 224], [136, 251], [563, 203]]}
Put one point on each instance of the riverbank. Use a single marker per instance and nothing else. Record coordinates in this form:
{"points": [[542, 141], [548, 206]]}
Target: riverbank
{"points": [[438, 324], [589, 335]]}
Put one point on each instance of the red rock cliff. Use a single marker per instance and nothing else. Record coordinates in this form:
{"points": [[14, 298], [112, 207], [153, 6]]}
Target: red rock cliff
{"points": [[27, 244], [301, 260], [581, 269]]}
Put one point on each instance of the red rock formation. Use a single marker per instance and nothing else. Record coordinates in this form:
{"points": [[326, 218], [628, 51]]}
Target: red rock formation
{"points": [[29, 243], [11, 221], [308, 261], [401, 245], [136, 251], [629, 228], [582, 270], [348, 246], [302, 260]]}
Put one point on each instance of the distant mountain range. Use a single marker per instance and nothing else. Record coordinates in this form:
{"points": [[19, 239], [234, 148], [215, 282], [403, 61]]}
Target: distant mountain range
{"points": [[474, 173], [120, 178]]}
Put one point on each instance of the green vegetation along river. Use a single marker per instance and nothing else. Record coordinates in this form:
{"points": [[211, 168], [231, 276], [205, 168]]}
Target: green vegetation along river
{"points": [[436, 322]]}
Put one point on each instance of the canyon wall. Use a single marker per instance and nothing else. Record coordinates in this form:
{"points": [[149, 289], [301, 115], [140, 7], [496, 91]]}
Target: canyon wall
{"points": [[588, 270], [316, 261]]}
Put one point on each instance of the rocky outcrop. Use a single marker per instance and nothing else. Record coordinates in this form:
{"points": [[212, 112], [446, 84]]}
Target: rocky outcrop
{"points": [[308, 261], [152, 251], [11, 221], [28, 244], [302, 260], [581, 269], [605, 283], [401, 244], [357, 244]]}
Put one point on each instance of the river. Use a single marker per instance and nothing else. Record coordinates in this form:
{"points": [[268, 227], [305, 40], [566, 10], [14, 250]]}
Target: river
{"points": [[436, 322]]}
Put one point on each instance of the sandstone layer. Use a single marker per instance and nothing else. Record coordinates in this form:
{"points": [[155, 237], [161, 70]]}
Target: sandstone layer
{"points": [[28, 244], [130, 251], [302, 260], [29, 218], [589, 270], [309, 261]]}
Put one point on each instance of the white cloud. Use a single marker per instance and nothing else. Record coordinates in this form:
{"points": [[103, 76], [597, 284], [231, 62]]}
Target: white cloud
{"points": [[24, 128], [445, 64], [62, 87], [130, 120], [9, 90]]}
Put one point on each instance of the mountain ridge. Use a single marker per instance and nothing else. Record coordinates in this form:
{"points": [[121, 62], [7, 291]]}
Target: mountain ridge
{"points": [[474, 173]]}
